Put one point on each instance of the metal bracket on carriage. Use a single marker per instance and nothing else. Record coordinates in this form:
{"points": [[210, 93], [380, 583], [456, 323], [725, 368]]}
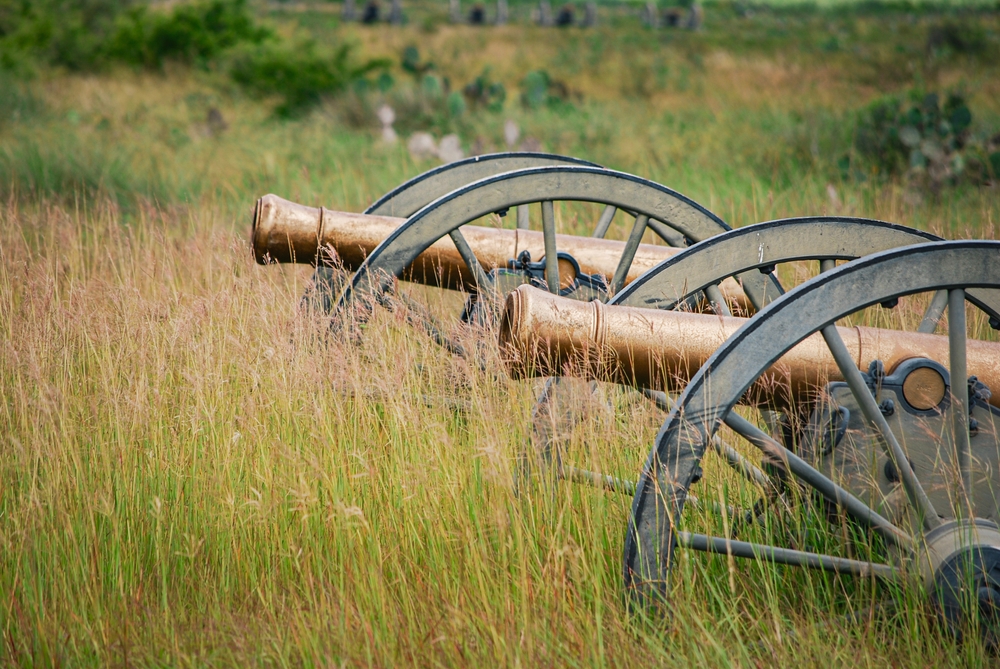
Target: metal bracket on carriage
{"points": [[572, 280]]}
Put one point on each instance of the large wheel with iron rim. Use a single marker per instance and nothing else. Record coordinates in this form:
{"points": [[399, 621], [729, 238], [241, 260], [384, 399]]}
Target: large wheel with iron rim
{"points": [[916, 463], [416, 193], [413, 195], [666, 214]]}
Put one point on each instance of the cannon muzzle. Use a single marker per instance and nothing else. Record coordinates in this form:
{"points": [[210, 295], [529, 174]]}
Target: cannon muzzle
{"points": [[542, 334], [286, 232]]}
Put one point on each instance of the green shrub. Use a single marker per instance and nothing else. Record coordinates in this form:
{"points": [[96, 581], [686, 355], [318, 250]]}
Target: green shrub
{"points": [[456, 105], [538, 89], [410, 62], [484, 92], [535, 89], [91, 34], [194, 34], [953, 37], [299, 74], [432, 87], [428, 106], [68, 33], [920, 136]]}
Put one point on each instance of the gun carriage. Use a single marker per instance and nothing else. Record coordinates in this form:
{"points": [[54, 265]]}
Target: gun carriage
{"points": [[899, 449], [908, 451]]}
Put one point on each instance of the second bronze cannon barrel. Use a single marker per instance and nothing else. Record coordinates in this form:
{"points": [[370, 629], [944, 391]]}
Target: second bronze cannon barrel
{"points": [[285, 231], [546, 335]]}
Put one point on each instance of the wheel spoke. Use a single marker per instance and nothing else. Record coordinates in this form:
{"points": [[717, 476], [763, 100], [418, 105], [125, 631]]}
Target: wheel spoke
{"points": [[874, 415], [740, 464], [727, 511], [717, 301], [628, 255], [752, 551], [958, 368], [523, 217], [615, 484], [418, 315], [660, 398], [823, 485], [604, 222], [612, 483], [542, 416], [471, 261], [551, 253], [852, 375], [668, 234], [929, 323]]}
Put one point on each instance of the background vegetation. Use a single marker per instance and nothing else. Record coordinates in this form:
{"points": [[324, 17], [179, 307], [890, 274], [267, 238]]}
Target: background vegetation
{"points": [[190, 475]]}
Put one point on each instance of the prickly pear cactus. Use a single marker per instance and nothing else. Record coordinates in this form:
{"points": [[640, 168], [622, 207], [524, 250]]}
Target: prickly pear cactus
{"points": [[935, 136], [927, 139]]}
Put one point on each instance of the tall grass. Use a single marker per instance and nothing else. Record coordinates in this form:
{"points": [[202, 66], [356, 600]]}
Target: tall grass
{"points": [[193, 471]]}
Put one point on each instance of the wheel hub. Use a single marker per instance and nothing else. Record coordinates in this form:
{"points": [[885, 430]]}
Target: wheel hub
{"points": [[963, 576]]}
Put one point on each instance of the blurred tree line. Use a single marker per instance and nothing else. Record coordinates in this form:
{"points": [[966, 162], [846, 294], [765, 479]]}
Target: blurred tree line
{"points": [[224, 35]]}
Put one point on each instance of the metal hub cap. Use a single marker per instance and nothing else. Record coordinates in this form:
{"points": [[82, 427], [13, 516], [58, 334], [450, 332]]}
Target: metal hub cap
{"points": [[963, 565]]}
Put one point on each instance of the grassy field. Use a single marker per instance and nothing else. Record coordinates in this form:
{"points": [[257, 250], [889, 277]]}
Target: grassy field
{"points": [[192, 473]]}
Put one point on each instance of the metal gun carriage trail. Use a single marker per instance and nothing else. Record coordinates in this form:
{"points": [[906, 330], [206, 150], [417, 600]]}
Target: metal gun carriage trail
{"points": [[888, 437]]}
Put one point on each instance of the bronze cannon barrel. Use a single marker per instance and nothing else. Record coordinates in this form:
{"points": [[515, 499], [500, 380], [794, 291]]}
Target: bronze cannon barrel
{"points": [[544, 335], [285, 232]]}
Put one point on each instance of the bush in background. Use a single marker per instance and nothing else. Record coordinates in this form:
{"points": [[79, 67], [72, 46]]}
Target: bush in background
{"points": [[93, 35], [429, 103], [538, 90], [193, 34], [484, 92], [67, 33], [299, 74], [411, 63], [926, 139], [954, 37]]}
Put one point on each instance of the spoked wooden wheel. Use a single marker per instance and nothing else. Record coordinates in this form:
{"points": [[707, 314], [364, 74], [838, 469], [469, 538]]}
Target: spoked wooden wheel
{"points": [[416, 193], [701, 269], [410, 197], [487, 262], [908, 451]]}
